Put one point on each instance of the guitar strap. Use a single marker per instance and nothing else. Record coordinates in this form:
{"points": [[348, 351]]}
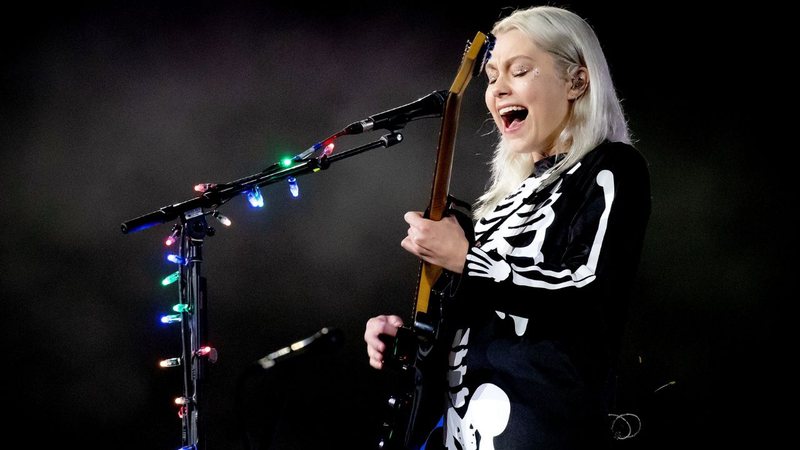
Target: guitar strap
{"points": [[463, 217]]}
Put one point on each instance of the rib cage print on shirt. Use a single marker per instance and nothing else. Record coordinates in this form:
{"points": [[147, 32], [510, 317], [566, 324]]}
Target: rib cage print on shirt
{"points": [[514, 248]]}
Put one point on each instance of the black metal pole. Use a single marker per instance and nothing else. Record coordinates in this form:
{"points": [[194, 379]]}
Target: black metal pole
{"points": [[194, 331]]}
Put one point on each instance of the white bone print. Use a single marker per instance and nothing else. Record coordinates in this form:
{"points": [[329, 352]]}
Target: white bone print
{"points": [[486, 417], [489, 407]]}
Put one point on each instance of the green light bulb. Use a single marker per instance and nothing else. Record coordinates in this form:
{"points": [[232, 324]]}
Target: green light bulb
{"points": [[173, 277]]}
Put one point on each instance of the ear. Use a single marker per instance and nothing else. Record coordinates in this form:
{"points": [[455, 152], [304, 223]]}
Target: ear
{"points": [[580, 82]]}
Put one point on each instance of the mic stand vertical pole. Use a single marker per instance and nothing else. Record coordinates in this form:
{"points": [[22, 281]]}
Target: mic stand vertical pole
{"points": [[194, 329]]}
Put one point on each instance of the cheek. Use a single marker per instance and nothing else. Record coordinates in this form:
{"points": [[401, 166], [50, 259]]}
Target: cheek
{"points": [[489, 99]]}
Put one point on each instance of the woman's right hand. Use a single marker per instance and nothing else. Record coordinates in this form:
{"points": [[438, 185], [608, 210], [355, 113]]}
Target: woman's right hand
{"points": [[383, 324]]}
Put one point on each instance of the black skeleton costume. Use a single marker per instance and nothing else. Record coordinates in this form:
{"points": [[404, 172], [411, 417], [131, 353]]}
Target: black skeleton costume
{"points": [[539, 311]]}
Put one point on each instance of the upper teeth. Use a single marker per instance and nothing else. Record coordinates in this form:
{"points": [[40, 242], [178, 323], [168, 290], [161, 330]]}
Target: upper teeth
{"points": [[508, 109]]}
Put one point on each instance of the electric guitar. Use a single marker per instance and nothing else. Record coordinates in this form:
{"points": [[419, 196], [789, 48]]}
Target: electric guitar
{"points": [[407, 352]]}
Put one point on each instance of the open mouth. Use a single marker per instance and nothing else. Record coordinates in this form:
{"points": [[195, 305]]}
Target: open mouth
{"points": [[513, 116]]}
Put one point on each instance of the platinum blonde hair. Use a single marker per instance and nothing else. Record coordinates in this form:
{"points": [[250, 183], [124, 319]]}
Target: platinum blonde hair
{"points": [[595, 116]]}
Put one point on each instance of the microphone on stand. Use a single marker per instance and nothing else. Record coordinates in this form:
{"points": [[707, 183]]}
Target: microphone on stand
{"points": [[431, 105], [324, 339]]}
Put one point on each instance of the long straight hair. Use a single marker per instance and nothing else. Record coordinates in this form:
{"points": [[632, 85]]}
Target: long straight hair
{"points": [[595, 116]]}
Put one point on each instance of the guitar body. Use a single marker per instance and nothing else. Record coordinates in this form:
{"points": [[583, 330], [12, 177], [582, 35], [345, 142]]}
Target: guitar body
{"points": [[414, 354], [419, 384]]}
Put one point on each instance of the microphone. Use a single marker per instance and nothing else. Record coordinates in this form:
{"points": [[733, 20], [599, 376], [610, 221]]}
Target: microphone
{"points": [[324, 339], [432, 105]]}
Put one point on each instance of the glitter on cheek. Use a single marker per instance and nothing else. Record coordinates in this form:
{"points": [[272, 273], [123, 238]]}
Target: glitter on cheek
{"points": [[535, 72]]}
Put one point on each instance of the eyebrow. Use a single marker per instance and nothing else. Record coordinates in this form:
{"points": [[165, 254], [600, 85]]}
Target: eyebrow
{"points": [[491, 65]]}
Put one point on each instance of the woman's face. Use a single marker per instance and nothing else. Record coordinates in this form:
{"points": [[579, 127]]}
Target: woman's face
{"points": [[529, 100]]}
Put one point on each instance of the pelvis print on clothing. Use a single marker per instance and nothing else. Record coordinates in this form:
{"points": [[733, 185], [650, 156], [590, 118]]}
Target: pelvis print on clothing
{"points": [[473, 419]]}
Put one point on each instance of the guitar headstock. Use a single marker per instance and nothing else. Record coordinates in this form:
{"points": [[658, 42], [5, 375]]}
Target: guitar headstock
{"points": [[475, 56], [484, 55]]}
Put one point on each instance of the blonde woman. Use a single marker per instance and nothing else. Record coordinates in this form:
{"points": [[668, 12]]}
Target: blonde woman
{"points": [[539, 311]]}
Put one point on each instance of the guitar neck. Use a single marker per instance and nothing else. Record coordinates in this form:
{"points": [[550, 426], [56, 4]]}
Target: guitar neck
{"points": [[444, 158], [437, 207], [424, 319]]}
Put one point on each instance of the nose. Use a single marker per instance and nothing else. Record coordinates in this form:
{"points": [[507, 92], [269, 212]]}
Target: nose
{"points": [[500, 88]]}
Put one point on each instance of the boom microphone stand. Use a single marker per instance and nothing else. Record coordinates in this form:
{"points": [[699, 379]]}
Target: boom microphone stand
{"points": [[193, 229]]}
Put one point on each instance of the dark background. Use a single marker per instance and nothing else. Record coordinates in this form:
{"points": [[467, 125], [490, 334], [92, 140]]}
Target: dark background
{"points": [[110, 111]]}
